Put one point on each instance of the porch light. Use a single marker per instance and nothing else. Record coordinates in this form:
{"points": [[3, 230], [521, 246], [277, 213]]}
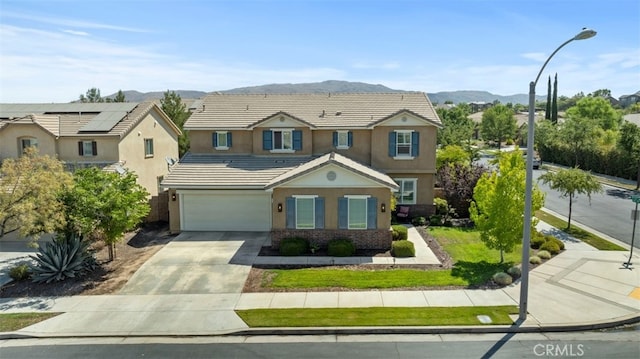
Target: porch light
{"points": [[279, 207], [383, 208]]}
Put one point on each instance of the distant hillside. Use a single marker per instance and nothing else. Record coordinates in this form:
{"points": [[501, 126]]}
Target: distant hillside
{"points": [[334, 86], [479, 96]]}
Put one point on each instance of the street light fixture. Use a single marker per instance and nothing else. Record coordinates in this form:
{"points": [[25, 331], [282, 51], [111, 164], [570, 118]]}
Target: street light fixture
{"points": [[526, 236]]}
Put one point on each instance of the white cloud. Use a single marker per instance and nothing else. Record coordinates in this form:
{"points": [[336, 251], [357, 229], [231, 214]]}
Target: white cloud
{"points": [[372, 66], [69, 22], [74, 32], [536, 56]]}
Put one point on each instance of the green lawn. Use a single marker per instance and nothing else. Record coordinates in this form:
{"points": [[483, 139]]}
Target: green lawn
{"points": [[361, 279], [377, 316], [587, 237], [15, 321], [474, 265]]}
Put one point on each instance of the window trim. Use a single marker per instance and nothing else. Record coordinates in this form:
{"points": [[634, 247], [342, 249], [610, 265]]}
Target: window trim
{"points": [[400, 182], [313, 210], [273, 140], [224, 135], [152, 152], [365, 198], [409, 156], [344, 146]]}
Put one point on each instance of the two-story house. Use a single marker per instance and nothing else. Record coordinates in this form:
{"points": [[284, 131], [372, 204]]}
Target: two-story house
{"points": [[319, 166], [128, 136]]}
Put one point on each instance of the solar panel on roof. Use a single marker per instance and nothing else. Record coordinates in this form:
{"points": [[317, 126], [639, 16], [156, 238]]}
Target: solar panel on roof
{"points": [[103, 122]]}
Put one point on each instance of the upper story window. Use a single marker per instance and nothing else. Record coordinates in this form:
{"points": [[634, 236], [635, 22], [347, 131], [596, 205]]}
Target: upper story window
{"points": [[342, 140], [148, 147], [222, 140], [28, 142], [87, 148], [404, 144], [282, 140]]}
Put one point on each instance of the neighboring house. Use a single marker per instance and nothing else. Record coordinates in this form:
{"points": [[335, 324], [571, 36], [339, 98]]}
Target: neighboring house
{"points": [[127, 136], [319, 166], [628, 100]]}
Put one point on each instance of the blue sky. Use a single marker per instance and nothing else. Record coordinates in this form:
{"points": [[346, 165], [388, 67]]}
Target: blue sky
{"points": [[52, 51]]}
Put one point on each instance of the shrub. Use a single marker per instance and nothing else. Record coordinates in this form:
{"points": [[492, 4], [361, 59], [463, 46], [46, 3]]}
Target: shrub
{"points": [[556, 240], [399, 232], [535, 260], [20, 272], [509, 142], [502, 278], [341, 247], [403, 248], [543, 254], [435, 220], [537, 240], [550, 246], [294, 246], [419, 221], [64, 257], [442, 206], [515, 272]]}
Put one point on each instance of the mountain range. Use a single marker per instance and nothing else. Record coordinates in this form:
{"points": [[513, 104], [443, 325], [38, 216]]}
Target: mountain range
{"points": [[334, 86]]}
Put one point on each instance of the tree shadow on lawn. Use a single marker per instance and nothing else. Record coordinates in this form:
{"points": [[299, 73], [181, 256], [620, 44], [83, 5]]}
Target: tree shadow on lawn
{"points": [[478, 274]]}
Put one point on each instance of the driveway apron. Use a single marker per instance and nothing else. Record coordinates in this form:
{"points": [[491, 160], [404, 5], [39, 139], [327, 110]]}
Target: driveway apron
{"points": [[199, 263]]}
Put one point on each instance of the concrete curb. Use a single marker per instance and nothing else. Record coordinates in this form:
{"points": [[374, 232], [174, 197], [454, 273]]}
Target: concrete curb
{"points": [[489, 329]]}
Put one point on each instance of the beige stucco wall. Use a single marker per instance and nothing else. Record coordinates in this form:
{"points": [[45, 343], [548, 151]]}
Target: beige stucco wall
{"points": [[360, 151], [331, 196], [174, 211], [107, 147], [132, 151], [426, 160], [307, 142], [241, 142], [11, 135]]}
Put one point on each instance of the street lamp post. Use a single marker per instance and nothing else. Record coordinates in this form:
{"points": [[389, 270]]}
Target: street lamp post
{"points": [[526, 235]]}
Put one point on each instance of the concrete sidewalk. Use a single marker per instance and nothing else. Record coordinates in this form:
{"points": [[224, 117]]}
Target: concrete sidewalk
{"points": [[579, 288]]}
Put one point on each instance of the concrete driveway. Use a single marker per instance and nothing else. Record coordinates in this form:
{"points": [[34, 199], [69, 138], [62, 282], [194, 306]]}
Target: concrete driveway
{"points": [[199, 263]]}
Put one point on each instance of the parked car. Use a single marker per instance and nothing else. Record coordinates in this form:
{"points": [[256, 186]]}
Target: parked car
{"points": [[537, 162]]}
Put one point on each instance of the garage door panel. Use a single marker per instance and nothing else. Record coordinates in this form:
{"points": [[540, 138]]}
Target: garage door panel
{"points": [[226, 211]]}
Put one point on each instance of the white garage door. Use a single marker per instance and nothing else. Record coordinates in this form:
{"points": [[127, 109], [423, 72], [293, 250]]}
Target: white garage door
{"points": [[225, 210]]}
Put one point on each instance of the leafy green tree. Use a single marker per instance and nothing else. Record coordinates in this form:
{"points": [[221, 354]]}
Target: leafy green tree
{"points": [[452, 154], [577, 134], [105, 205], [630, 142], [547, 112], [173, 106], [571, 182], [29, 202], [498, 124], [92, 95], [604, 93], [499, 203], [119, 97], [457, 181], [598, 109], [458, 128]]}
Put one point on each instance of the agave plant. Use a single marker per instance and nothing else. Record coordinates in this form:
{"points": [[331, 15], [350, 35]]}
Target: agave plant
{"points": [[65, 257]]}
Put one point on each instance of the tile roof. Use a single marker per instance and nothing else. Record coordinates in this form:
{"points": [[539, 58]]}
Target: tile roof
{"points": [[339, 160], [210, 171], [69, 118], [326, 110], [231, 171]]}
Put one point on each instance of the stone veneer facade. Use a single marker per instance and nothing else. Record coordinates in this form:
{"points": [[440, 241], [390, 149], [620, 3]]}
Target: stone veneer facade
{"points": [[363, 239]]}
